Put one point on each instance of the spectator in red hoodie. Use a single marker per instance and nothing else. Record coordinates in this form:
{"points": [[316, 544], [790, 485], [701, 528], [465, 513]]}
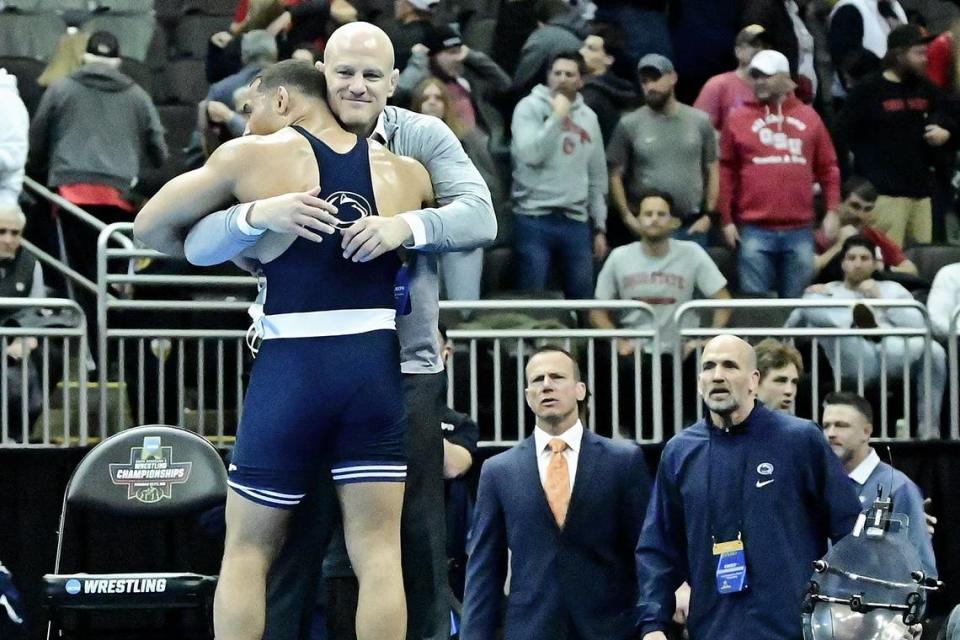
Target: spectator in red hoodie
{"points": [[772, 152]]}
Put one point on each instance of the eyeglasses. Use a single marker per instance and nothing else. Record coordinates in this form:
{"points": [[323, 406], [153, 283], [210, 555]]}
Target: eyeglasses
{"points": [[865, 208], [13, 232]]}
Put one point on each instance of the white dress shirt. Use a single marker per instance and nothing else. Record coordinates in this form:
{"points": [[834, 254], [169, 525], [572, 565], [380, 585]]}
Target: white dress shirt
{"points": [[572, 436], [416, 225], [861, 474]]}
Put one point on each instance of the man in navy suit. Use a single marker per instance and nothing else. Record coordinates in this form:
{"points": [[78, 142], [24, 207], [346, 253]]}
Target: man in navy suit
{"points": [[569, 506]]}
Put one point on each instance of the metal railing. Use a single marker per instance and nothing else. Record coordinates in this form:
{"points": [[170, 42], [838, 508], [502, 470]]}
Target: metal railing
{"points": [[61, 265], [165, 361], [816, 335], [954, 377], [196, 377], [45, 358], [515, 344]]}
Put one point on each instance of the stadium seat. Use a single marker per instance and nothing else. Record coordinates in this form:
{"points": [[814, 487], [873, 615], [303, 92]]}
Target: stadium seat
{"points": [[497, 273], [726, 261], [152, 474], [158, 53], [758, 318], [26, 6], [133, 31], [185, 82], [479, 34], [168, 11], [930, 258], [30, 35], [125, 6], [211, 7], [179, 122], [140, 73], [26, 70], [192, 33]]}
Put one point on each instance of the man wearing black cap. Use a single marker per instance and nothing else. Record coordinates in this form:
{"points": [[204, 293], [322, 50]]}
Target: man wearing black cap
{"points": [[92, 131], [665, 145], [894, 123], [471, 77]]}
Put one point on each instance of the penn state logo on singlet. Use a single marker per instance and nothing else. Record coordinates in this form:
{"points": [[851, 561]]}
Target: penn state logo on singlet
{"points": [[350, 207]]}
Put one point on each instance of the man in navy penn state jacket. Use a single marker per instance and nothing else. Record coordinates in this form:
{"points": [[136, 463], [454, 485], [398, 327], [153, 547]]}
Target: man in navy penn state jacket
{"points": [[744, 501], [568, 504]]}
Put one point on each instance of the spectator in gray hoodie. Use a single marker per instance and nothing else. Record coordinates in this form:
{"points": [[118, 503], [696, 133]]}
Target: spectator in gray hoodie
{"points": [[92, 130], [559, 28], [13, 139], [559, 182]]}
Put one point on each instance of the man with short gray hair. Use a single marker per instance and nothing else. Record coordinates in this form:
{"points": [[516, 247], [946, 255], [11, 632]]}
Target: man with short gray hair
{"points": [[763, 487], [20, 277]]}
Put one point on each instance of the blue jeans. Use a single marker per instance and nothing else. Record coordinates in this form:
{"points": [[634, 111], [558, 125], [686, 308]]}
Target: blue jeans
{"points": [[541, 240], [683, 233], [775, 260]]}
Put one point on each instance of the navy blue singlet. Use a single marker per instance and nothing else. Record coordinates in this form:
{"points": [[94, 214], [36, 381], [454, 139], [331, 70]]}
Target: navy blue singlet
{"points": [[326, 386]]}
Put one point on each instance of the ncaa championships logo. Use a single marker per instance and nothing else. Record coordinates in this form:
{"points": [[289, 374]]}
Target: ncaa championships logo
{"points": [[765, 469], [151, 473], [350, 207], [73, 586]]}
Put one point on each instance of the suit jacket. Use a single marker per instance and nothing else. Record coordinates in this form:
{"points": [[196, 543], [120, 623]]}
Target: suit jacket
{"points": [[576, 582]]}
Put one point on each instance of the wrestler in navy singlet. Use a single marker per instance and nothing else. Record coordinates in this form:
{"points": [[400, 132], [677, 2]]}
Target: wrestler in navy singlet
{"points": [[327, 375]]}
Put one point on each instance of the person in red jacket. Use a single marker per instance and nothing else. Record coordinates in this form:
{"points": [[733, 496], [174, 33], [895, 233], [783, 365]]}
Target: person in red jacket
{"points": [[772, 152]]}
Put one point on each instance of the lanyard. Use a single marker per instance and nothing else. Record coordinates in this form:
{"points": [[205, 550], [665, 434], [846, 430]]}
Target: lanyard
{"points": [[724, 521]]}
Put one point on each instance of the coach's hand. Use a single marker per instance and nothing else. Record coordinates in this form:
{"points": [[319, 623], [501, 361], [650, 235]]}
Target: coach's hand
{"points": [[373, 236], [303, 214]]}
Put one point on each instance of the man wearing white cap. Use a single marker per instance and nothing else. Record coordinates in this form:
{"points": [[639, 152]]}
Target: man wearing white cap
{"points": [[772, 152]]}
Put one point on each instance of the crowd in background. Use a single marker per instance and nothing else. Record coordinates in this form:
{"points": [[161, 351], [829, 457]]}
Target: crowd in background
{"points": [[654, 151]]}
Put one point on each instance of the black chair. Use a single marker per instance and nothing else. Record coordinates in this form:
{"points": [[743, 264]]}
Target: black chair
{"points": [[193, 31], [930, 258], [758, 318], [29, 35], [726, 261], [139, 72], [179, 122], [211, 7], [168, 11], [185, 82], [152, 473], [125, 6], [479, 34], [27, 71], [497, 275]]}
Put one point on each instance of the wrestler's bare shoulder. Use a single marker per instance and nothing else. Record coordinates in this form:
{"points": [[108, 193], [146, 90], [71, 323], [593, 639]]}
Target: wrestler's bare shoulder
{"points": [[257, 149], [400, 171]]}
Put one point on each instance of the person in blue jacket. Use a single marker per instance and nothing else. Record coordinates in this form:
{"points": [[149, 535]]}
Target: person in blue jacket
{"points": [[744, 501], [848, 425]]}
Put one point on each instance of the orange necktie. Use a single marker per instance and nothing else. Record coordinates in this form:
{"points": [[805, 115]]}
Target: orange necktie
{"points": [[557, 485]]}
